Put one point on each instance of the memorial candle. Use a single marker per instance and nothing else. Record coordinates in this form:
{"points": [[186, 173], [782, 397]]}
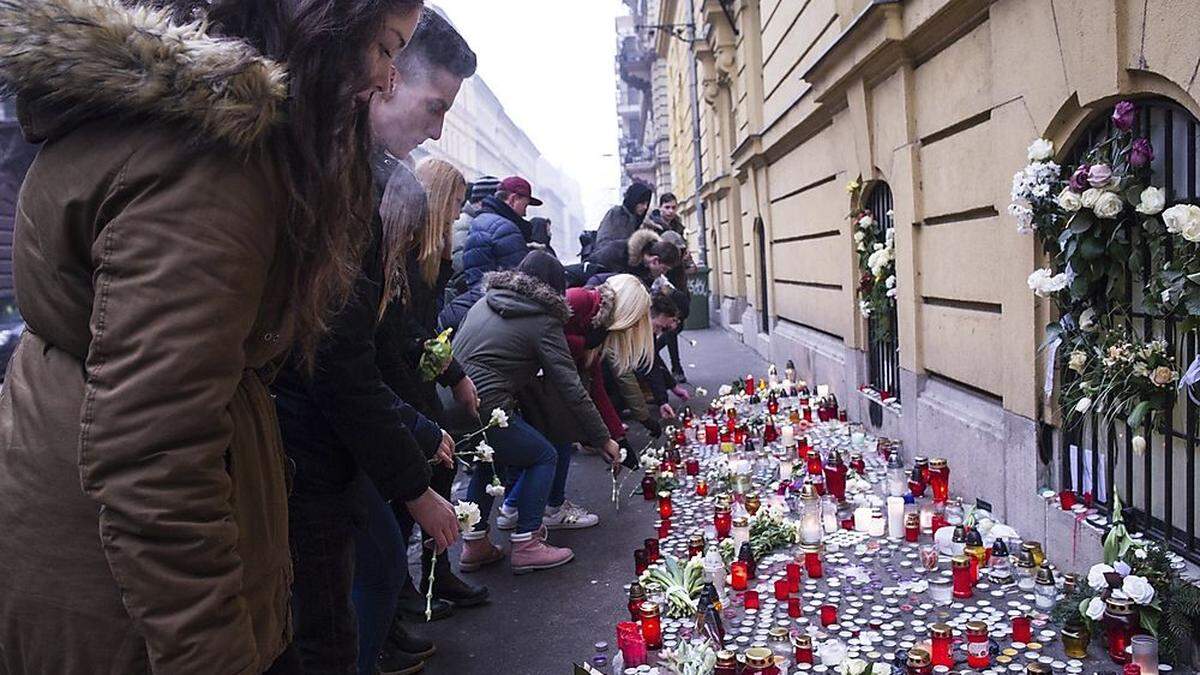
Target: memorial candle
{"points": [[794, 607], [665, 508], [895, 517], [750, 600], [939, 479], [710, 433], [812, 563], [781, 589], [978, 651], [651, 625], [961, 568], [941, 636], [828, 615], [793, 577], [739, 575], [723, 520]]}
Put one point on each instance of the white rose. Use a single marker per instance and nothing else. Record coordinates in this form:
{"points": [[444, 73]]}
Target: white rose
{"points": [[1040, 150], [1140, 552], [1089, 197], [853, 667], [484, 452], [724, 390], [1083, 405], [1152, 201], [1095, 577], [1087, 320], [1138, 589], [1109, 205], [858, 236], [1184, 220], [1095, 609], [1069, 200], [1043, 282], [891, 281]]}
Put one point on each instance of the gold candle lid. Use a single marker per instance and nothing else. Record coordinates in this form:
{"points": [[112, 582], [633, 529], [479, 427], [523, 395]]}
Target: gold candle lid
{"points": [[759, 657], [802, 641], [1038, 669], [1118, 606], [808, 492], [649, 608], [1031, 546], [937, 463], [779, 634], [918, 658], [918, 460], [1045, 577], [726, 658], [960, 561], [976, 628], [941, 630], [741, 521]]}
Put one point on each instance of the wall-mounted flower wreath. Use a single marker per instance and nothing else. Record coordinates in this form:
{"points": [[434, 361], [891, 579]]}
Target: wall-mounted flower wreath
{"points": [[1091, 219], [875, 247]]}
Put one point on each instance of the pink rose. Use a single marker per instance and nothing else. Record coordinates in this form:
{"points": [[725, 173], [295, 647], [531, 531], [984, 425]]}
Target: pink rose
{"points": [[1099, 175]]}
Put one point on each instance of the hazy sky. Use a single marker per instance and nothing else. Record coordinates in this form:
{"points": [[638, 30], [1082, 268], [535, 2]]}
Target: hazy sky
{"points": [[550, 62]]}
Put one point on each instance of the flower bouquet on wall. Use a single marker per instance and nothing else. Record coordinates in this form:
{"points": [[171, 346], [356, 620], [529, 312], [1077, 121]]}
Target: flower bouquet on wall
{"points": [[876, 251], [1095, 222]]}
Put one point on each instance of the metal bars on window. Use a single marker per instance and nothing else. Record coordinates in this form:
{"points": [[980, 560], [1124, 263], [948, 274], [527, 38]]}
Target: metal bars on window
{"points": [[1157, 487], [883, 356]]}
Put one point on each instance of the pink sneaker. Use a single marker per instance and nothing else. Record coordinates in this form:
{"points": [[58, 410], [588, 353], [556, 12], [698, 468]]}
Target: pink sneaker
{"points": [[531, 553], [478, 551]]}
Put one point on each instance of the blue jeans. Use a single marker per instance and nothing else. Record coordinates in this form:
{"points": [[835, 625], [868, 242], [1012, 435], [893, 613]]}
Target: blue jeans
{"points": [[521, 448], [380, 571], [558, 488]]}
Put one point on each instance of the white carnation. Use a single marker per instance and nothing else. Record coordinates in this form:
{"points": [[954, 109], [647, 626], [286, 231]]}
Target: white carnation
{"points": [[495, 490], [468, 515], [484, 452], [499, 418], [1040, 150], [1152, 201], [1044, 282]]}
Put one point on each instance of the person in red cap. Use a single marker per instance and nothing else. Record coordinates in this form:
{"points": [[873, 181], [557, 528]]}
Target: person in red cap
{"points": [[500, 235]]}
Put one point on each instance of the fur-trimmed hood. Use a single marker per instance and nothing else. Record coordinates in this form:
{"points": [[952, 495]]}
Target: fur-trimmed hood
{"points": [[636, 246], [604, 310], [521, 295], [72, 60]]}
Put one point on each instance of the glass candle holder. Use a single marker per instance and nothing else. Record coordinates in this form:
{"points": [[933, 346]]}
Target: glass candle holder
{"points": [[1075, 638], [649, 487], [664, 528], [941, 636], [781, 589], [961, 570], [941, 590], [1144, 653], [651, 546], [711, 432], [636, 597], [812, 564], [793, 577], [750, 600], [978, 646], [739, 575], [1022, 630], [692, 466], [939, 479], [723, 521], [802, 648], [1120, 625], [640, 561], [912, 527], [919, 662], [665, 508], [929, 557], [829, 614], [695, 545], [794, 607], [651, 626], [701, 487]]}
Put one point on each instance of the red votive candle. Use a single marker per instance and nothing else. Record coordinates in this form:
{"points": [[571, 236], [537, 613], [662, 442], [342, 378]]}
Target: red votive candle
{"points": [[651, 626], [750, 600], [651, 550], [794, 608], [664, 528], [781, 589], [739, 575], [702, 488], [665, 508], [1022, 630], [793, 577], [710, 433], [812, 564], [692, 466], [640, 561], [961, 577], [828, 615], [1067, 498]]}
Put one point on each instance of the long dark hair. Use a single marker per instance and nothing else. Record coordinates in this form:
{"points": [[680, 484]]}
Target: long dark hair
{"points": [[322, 150]]}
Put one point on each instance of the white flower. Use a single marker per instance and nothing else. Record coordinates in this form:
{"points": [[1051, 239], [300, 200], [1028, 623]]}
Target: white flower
{"points": [[1109, 205], [1083, 405], [1043, 282], [725, 390], [891, 281], [494, 490], [1138, 589], [1166, 296], [499, 418], [1089, 197], [1121, 567], [891, 293], [1024, 216], [1095, 577], [1184, 220], [1095, 609], [468, 515], [624, 454], [1040, 150], [692, 342], [866, 222], [1152, 201], [1139, 552], [1069, 200], [1087, 320], [484, 452], [1078, 361], [853, 667], [649, 462], [858, 236], [1139, 446], [864, 308], [701, 391]]}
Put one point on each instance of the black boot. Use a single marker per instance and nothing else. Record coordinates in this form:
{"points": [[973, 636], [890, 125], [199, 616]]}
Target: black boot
{"points": [[412, 605], [400, 640], [394, 662], [447, 586]]}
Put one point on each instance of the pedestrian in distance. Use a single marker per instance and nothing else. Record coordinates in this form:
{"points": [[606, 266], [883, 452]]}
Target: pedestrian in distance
{"points": [[188, 220], [484, 186]]}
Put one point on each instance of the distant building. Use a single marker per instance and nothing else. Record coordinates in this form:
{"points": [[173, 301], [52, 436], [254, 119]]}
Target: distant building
{"points": [[642, 107], [481, 139]]}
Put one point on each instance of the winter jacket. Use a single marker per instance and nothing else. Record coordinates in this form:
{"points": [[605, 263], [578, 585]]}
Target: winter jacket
{"points": [[400, 342], [512, 334], [623, 257], [591, 313], [661, 224], [499, 240], [143, 494], [344, 417], [459, 232], [622, 220]]}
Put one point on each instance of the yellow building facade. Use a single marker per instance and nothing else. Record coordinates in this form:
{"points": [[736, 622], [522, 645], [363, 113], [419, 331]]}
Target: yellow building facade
{"points": [[937, 99]]}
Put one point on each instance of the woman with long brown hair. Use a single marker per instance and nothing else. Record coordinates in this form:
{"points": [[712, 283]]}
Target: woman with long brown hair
{"points": [[198, 205]]}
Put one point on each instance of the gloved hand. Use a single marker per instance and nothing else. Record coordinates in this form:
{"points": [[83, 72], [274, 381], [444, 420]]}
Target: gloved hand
{"points": [[632, 460], [653, 426]]}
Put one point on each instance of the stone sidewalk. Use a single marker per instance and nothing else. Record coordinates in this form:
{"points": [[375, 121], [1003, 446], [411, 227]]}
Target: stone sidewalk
{"points": [[538, 624]]}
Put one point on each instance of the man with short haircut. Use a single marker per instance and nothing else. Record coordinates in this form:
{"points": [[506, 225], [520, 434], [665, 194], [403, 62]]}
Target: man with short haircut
{"points": [[500, 235]]}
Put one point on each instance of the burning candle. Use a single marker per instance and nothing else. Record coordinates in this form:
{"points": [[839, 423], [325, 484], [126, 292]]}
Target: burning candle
{"points": [[651, 625], [793, 577], [739, 575], [912, 527], [941, 636], [939, 479], [723, 520], [828, 615], [702, 487], [665, 508], [664, 528], [812, 564], [710, 433], [649, 487], [750, 600], [781, 589]]}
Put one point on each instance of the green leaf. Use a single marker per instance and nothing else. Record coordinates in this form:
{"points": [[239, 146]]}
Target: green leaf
{"points": [[1133, 194], [1194, 278], [1091, 249], [1081, 222], [1139, 412], [1150, 619]]}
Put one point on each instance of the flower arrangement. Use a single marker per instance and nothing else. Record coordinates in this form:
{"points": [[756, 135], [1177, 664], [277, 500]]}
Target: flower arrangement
{"points": [[680, 581], [1141, 572], [769, 530], [876, 250], [1091, 219], [690, 657], [860, 667]]}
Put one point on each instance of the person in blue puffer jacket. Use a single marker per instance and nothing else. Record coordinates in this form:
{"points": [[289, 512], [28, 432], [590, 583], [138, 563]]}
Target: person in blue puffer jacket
{"points": [[499, 239]]}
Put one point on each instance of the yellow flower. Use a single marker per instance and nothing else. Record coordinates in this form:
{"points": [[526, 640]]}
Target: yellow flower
{"points": [[853, 186]]}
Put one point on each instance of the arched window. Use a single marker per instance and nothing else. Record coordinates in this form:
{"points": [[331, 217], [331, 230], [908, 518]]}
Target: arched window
{"points": [[1157, 486], [883, 356]]}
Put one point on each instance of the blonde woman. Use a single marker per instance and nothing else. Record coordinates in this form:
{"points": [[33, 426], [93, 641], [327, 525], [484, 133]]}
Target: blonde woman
{"points": [[408, 323]]}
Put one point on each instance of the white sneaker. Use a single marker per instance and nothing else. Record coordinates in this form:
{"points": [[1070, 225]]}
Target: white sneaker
{"points": [[507, 520], [569, 517]]}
